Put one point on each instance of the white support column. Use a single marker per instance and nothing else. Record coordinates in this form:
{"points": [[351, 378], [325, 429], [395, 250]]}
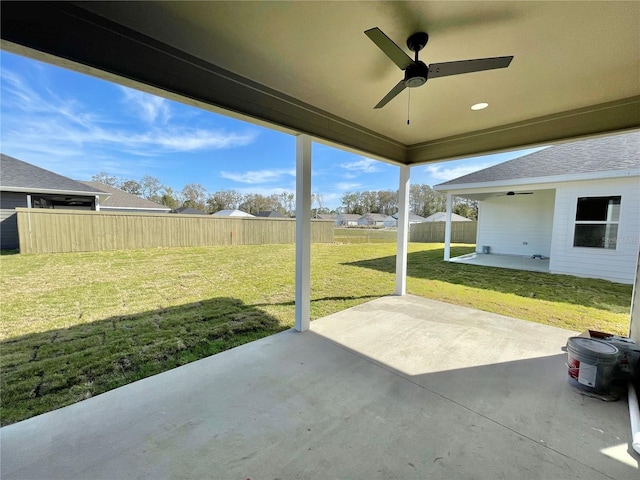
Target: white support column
{"points": [[303, 232], [447, 230], [97, 203], [403, 230], [634, 326], [29, 200]]}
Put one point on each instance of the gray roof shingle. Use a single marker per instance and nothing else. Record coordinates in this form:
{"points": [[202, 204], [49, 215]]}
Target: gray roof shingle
{"points": [[616, 152], [270, 214], [22, 176], [122, 199], [188, 211]]}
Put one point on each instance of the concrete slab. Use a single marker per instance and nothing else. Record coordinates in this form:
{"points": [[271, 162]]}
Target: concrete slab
{"points": [[514, 262], [401, 387]]}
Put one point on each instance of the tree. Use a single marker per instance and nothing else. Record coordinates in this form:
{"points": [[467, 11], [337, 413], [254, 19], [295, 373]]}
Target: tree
{"points": [[105, 178], [317, 198], [349, 202], [388, 202], [466, 208], [194, 195], [224, 200], [150, 188], [287, 202], [425, 201], [168, 198], [255, 202], [132, 187]]}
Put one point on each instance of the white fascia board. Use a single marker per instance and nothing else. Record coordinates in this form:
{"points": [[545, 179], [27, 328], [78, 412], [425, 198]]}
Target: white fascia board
{"points": [[50, 191], [481, 187]]}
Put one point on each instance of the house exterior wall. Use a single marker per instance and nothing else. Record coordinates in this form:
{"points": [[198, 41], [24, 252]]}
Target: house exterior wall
{"points": [[8, 218], [368, 221], [347, 220], [390, 222], [517, 225], [617, 264]]}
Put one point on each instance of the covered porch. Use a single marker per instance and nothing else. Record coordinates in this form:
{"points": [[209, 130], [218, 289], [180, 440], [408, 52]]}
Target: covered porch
{"points": [[515, 262], [400, 387]]}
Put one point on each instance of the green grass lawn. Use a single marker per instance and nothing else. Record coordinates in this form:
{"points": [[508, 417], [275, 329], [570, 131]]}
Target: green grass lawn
{"points": [[364, 235], [76, 325]]}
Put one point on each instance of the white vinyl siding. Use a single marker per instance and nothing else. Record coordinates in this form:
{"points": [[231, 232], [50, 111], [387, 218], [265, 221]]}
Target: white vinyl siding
{"points": [[518, 224], [617, 264]]}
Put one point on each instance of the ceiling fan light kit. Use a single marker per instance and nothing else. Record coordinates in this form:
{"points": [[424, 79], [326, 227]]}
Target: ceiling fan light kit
{"points": [[416, 72], [479, 106]]}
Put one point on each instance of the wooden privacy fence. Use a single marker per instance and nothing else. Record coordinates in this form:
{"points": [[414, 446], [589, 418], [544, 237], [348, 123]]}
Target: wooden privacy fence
{"points": [[49, 231], [433, 232]]}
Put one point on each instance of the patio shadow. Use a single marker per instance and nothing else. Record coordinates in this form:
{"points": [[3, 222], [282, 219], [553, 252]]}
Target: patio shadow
{"points": [[429, 265], [47, 370]]}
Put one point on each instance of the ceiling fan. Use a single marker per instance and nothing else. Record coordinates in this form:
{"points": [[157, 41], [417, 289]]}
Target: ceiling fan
{"points": [[416, 73], [511, 194]]}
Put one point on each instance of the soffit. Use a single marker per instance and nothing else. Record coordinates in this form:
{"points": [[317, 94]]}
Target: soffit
{"points": [[572, 60]]}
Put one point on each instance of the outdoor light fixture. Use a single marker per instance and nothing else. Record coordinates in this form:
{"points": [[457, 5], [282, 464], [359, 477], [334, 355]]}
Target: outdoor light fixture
{"points": [[479, 106]]}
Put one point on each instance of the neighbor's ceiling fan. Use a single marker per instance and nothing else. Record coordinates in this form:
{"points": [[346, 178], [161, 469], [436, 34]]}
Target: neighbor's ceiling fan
{"points": [[511, 194], [416, 73]]}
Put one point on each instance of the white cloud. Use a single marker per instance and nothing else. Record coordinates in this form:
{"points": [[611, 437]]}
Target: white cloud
{"points": [[442, 173], [45, 124], [147, 107], [346, 186], [364, 165], [258, 176]]}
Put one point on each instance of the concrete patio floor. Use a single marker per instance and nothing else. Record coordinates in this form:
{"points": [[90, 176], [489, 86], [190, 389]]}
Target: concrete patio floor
{"points": [[400, 387], [515, 262]]}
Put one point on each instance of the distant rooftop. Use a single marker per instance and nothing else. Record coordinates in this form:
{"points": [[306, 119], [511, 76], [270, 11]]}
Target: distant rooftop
{"points": [[232, 213], [270, 214], [189, 211], [121, 199], [442, 217], [16, 175]]}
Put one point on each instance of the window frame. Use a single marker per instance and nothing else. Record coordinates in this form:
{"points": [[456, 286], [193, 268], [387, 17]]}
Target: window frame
{"points": [[607, 240]]}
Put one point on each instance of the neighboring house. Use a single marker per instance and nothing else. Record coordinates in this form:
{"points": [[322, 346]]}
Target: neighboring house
{"points": [[270, 214], [372, 220], [576, 203], [231, 213], [121, 201], [326, 216], [189, 211], [25, 185], [442, 217], [392, 220], [347, 220]]}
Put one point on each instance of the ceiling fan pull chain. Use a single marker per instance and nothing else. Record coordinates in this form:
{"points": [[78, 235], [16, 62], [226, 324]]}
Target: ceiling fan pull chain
{"points": [[408, 107]]}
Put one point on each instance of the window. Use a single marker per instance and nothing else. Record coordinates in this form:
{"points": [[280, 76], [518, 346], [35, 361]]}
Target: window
{"points": [[597, 222]]}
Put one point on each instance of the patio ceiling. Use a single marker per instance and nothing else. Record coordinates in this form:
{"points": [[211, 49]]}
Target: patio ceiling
{"points": [[307, 67]]}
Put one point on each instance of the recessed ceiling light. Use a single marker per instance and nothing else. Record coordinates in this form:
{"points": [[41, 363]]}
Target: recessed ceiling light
{"points": [[479, 106]]}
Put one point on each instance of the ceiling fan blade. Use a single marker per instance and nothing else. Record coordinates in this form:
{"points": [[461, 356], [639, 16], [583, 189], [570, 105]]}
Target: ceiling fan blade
{"points": [[511, 194], [467, 66], [389, 96], [390, 49]]}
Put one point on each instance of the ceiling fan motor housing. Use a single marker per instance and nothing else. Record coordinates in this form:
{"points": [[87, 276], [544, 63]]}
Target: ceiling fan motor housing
{"points": [[416, 75]]}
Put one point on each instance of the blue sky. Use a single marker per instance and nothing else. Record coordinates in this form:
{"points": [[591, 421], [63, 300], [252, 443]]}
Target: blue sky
{"points": [[77, 125]]}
